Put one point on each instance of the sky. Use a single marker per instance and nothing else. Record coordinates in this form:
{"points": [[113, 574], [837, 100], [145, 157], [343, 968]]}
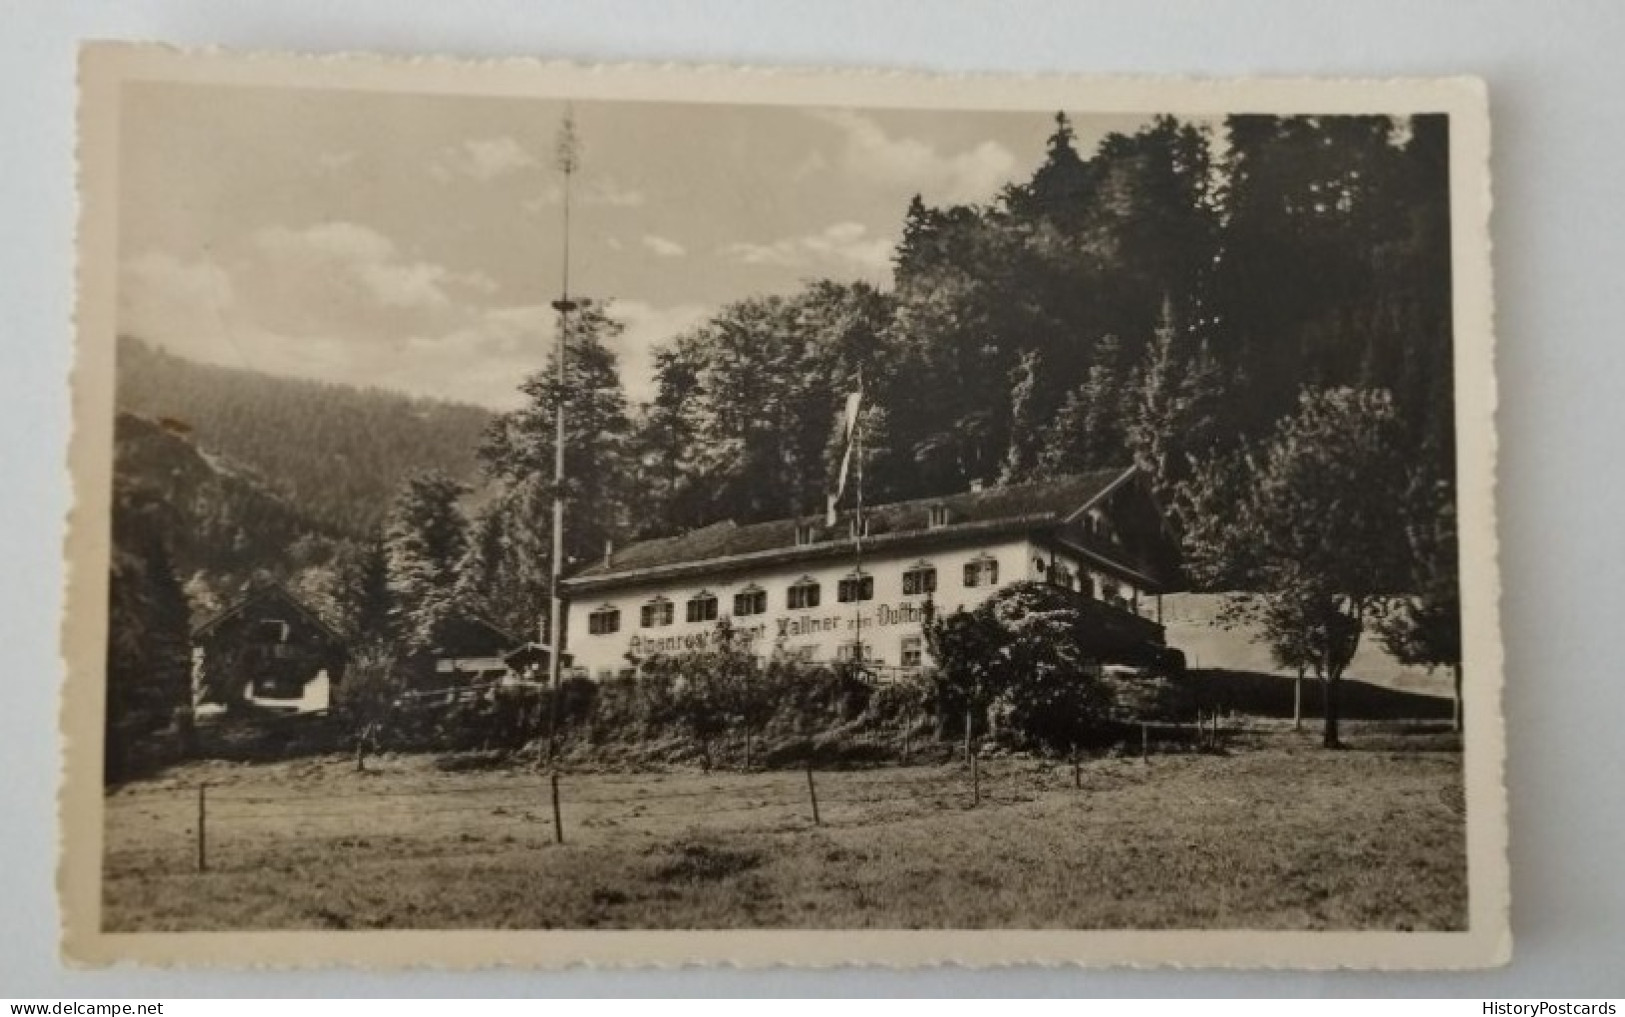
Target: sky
{"points": [[413, 242]]}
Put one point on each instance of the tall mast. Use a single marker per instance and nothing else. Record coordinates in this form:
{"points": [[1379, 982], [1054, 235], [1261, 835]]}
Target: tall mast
{"points": [[857, 531], [568, 156]]}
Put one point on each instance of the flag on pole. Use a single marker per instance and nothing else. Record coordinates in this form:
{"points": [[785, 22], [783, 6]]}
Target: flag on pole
{"points": [[849, 430]]}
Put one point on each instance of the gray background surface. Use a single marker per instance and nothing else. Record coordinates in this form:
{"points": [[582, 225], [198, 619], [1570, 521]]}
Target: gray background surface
{"points": [[1558, 105]]}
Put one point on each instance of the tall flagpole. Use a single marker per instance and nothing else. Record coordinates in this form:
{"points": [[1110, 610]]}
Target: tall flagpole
{"points": [[857, 529], [568, 155]]}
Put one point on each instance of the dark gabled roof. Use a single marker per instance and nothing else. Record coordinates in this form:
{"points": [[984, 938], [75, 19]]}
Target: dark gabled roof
{"points": [[465, 629], [1019, 506], [264, 590]]}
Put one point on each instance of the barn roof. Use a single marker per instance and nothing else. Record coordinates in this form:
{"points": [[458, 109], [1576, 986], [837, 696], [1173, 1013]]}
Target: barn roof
{"points": [[995, 509], [259, 592]]}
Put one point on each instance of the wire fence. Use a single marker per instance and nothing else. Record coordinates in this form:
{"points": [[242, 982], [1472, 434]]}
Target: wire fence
{"points": [[237, 826]]}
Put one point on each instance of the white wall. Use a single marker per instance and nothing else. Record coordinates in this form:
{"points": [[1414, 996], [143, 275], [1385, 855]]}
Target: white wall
{"points": [[823, 630]]}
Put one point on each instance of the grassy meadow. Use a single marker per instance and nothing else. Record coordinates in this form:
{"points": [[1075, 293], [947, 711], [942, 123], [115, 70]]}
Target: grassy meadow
{"points": [[1272, 832]]}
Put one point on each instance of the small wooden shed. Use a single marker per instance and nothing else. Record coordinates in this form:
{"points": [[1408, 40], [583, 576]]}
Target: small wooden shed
{"points": [[266, 649]]}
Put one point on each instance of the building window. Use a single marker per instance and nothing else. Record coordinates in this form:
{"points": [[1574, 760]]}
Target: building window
{"points": [[657, 613], [983, 571], [855, 588], [937, 517], [854, 651], [912, 654], [604, 621], [750, 600], [702, 608], [804, 534], [803, 593], [1111, 592], [271, 630], [919, 579], [858, 527], [1061, 576]]}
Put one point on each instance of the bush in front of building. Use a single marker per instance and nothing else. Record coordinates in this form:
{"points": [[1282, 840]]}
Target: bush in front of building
{"points": [[1023, 668], [1015, 669]]}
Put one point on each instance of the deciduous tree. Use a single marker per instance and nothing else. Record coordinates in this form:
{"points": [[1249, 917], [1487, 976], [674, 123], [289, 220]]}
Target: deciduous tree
{"points": [[1318, 521]]}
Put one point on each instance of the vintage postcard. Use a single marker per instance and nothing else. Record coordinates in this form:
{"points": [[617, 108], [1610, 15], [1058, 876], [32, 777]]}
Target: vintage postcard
{"points": [[544, 514]]}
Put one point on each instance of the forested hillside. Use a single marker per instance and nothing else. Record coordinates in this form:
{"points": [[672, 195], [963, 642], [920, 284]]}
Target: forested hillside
{"points": [[1166, 299], [214, 518], [335, 452]]}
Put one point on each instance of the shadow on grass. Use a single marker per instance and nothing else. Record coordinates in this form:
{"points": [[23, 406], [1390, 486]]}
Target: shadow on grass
{"points": [[1270, 695]]}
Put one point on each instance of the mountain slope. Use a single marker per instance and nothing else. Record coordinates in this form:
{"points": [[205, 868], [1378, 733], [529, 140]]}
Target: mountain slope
{"points": [[213, 516], [334, 453]]}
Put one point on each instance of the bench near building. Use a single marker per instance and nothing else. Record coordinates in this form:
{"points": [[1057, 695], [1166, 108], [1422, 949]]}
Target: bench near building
{"points": [[814, 593]]}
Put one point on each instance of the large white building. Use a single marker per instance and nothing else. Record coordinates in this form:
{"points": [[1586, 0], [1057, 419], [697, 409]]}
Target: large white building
{"points": [[815, 593]]}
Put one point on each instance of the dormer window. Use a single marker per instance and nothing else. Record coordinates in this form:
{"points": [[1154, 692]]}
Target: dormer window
{"points": [[603, 621], [937, 517], [1097, 524], [858, 527], [702, 607], [804, 534]]}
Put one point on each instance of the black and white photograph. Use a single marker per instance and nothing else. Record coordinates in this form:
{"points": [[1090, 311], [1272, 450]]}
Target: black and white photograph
{"points": [[518, 499]]}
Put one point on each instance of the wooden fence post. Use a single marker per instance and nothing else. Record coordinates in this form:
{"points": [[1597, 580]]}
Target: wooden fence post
{"points": [[1077, 771], [975, 782], [1145, 742], [812, 793], [202, 818], [558, 821]]}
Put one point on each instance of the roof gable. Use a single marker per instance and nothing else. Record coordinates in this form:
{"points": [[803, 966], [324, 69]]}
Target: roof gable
{"points": [[260, 596]]}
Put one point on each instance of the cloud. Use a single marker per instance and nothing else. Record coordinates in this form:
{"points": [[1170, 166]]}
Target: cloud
{"points": [[605, 191], [869, 154], [340, 252], [601, 191], [646, 329], [483, 159], [846, 244], [471, 350], [664, 247], [193, 307], [174, 301]]}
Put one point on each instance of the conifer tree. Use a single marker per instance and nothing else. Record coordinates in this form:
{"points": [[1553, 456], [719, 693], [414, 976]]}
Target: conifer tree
{"points": [[519, 445], [425, 538], [1026, 430], [148, 640]]}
